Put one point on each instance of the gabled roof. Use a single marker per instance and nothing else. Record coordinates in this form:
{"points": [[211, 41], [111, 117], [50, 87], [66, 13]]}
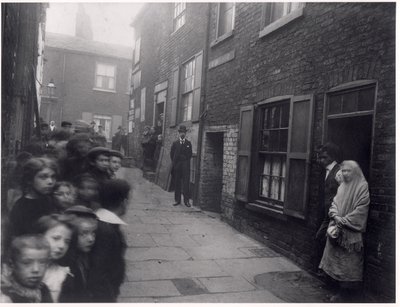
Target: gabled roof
{"points": [[73, 43]]}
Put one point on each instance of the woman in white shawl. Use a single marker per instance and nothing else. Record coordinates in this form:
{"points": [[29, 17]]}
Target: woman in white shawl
{"points": [[343, 256]]}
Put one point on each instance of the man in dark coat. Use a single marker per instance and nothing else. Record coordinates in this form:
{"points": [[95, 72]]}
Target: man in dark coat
{"points": [[181, 153], [328, 158]]}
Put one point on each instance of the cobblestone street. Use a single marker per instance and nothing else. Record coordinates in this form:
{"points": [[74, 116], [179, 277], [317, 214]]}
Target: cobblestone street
{"points": [[180, 254]]}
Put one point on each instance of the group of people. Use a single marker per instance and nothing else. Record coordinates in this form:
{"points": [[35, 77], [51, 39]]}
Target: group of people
{"points": [[345, 204], [151, 145], [62, 240]]}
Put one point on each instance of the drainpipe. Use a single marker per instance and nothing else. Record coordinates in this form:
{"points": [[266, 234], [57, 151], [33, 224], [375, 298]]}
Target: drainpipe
{"points": [[203, 107]]}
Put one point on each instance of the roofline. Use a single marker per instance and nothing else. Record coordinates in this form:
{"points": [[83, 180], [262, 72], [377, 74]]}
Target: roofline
{"points": [[86, 52], [138, 15]]}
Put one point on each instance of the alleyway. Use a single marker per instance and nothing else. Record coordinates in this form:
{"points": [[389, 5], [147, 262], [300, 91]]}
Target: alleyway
{"points": [[180, 254]]}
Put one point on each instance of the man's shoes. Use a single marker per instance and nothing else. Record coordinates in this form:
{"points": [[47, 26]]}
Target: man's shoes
{"points": [[176, 204], [187, 204]]}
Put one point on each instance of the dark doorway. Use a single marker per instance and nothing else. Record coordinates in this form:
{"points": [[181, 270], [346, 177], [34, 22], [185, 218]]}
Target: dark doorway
{"points": [[354, 136], [211, 177]]}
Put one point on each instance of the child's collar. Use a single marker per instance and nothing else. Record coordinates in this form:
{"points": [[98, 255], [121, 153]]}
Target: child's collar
{"points": [[108, 216]]}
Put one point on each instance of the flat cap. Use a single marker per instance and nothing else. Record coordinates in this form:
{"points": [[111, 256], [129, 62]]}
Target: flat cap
{"points": [[95, 151], [81, 211]]}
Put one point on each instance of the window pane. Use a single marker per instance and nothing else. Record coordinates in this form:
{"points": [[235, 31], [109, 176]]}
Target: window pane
{"points": [[335, 104], [283, 140], [265, 119], [285, 116], [111, 83], [265, 140], [265, 186], [98, 81], [101, 69], [350, 102], [282, 196], [277, 11], [273, 120], [274, 143], [225, 18], [366, 99], [189, 108]]}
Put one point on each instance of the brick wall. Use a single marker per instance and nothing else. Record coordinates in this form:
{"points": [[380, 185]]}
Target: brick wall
{"points": [[331, 44]]}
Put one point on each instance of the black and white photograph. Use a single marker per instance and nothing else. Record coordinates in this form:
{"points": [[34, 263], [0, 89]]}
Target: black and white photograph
{"points": [[198, 152]]}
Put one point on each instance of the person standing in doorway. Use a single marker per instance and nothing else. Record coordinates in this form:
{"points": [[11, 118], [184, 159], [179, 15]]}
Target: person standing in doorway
{"points": [[181, 153], [328, 158]]}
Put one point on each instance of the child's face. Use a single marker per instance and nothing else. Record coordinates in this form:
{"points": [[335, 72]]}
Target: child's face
{"points": [[86, 234], [88, 190], [44, 181], [102, 162], [82, 148], [30, 266], [115, 163], [59, 238], [65, 196]]}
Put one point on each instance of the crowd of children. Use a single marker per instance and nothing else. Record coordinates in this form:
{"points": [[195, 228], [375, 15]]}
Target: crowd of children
{"points": [[61, 238]]}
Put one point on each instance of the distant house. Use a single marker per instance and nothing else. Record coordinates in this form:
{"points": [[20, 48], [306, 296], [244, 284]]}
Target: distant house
{"points": [[85, 79]]}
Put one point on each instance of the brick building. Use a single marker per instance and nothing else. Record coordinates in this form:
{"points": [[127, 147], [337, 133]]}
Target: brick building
{"points": [[167, 77], [91, 79], [278, 80]]}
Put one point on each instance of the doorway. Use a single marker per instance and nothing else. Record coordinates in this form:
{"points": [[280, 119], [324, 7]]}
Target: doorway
{"points": [[354, 136], [211, 175]]}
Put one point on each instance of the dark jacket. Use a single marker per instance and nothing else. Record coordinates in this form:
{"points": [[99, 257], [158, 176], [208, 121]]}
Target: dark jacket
{"points": [[26, 212], [107, 271], [326, 199], [181, 153], [18, 297]]}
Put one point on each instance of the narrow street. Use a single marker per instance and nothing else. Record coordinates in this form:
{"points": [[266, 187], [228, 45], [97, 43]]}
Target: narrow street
{"points": [[180, 254]]}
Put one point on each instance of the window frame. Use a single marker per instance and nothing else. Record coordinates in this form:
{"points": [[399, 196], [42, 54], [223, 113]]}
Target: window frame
{"points": [[180, 15], [136, 56], [279, 23], [102, 89], [223, 36], [186, 92], [298, 154]]}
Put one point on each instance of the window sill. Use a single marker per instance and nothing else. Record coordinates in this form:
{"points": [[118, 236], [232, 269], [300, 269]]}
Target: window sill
{"points": [[273, 212], [221, 38], [104, 90], [281, 22]]}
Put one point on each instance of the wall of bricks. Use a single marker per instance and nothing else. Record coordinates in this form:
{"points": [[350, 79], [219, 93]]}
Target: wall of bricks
{"points": [[329, 45]]}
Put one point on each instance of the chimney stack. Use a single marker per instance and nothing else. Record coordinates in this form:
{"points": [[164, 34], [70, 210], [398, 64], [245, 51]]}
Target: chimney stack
{"points": [[83, 26]]}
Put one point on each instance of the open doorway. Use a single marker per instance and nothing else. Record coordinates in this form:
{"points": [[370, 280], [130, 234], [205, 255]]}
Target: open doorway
{"points": [[354, 136], [350, 117], [211, 176]]}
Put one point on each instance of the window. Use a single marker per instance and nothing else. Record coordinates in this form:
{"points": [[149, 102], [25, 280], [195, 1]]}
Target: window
{"points": [[142, 104], [273, 150], [272, 171], [278, 14], [104, 121], [137, 51], [137, 79], [226, 12], [179, 15], [187, 91], [105, 77]]}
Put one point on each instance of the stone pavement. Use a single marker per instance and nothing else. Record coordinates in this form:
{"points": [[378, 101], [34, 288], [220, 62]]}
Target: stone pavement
{"points": [[180, 254]]}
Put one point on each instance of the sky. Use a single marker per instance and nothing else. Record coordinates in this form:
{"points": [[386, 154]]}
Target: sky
{"points": [[110, 21]]}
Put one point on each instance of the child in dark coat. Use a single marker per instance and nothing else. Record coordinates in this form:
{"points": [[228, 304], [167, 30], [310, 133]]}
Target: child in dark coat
{"points": [[108, 253]]}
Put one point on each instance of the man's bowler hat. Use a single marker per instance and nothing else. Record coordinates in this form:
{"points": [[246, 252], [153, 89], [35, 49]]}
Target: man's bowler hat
{"points": [[182, 128]]}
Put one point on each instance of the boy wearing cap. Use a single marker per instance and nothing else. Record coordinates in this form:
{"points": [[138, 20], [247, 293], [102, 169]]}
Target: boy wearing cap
{"points": [[99, 163], [181, 153]]}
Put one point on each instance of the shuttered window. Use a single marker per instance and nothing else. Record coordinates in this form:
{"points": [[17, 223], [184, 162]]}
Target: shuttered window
{"points": [[278, 159]]}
